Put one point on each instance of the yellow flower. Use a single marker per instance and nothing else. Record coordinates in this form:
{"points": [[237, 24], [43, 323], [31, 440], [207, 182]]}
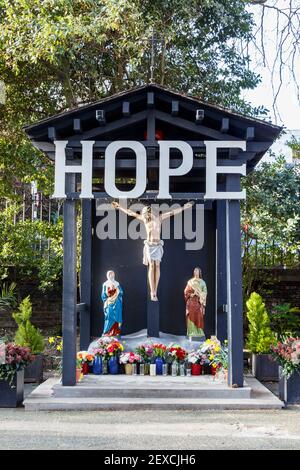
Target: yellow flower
{"points": [[217, 348], [211, 357], [59, 347], [51, 340]]}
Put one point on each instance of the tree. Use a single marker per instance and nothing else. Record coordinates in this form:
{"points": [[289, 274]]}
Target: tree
{"points": [[27, 335], [260, 336], [270, 218]]}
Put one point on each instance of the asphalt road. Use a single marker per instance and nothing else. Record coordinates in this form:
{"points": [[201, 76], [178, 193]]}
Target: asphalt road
{"points": [[149, 430]]}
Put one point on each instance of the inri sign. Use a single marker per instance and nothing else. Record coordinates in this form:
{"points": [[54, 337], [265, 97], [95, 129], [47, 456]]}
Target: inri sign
{"points": [[86, 168]]}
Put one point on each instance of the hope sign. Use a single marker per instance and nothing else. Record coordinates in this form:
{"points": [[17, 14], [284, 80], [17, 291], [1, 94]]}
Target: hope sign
{"points": [[86, 168]]}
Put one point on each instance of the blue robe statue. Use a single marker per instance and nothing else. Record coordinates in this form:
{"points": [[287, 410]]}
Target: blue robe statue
{"points": [[112, 297]]}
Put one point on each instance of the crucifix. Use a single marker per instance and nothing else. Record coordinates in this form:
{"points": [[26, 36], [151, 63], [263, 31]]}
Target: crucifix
{"points": [[153, 245]]}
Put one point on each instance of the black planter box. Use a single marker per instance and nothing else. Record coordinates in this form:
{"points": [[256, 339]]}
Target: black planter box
{"points": [[34, 372], [12, 396], [264, 368], [289, 389]]}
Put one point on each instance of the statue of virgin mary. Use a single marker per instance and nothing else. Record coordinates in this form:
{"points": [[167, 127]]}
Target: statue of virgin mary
{"points": [[112, 297], [195, 296]]}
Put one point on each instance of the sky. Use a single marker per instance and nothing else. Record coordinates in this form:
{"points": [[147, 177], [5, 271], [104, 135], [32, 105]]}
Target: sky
{"points": [[288, 106]]}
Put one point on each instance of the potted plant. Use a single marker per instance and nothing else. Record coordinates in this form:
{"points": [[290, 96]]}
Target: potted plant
{"points": [[129, 359], [196, 359], [159, 354], [27, 335], [259, 339], [146, 352], [287, 353], [12, 375], [86, 359]]}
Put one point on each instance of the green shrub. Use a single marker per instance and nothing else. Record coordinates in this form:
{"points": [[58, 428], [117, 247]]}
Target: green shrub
{"points": [[27, 334], [285, 320], [260, 335], [8, 295]]}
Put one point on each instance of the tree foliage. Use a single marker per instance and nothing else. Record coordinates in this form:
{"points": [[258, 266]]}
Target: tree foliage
{"points": [[260, 336], [27, 334], [20, 245], [271, 211]]}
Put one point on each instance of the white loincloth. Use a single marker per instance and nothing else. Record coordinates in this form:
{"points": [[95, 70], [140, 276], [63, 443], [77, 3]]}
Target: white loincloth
{"points": [[153, 251]]}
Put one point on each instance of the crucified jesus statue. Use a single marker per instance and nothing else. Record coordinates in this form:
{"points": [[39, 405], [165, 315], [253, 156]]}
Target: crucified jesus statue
{"points": [[153, 245]]}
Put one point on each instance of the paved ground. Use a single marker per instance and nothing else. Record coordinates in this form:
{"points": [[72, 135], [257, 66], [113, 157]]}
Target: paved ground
{"points": [[180, 430]]}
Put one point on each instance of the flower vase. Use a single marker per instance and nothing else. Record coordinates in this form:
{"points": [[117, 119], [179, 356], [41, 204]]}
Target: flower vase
{"points": [[159, 365], [85, 368], [104, 366], [78, 375], [146, 368], [113, 365], [97, 365], [174, 369], [213, 370], [128, 369], [196, 369]]}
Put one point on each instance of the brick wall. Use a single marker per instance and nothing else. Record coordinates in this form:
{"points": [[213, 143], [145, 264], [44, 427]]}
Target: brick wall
{"points": [[278, 286], [46, 309]]}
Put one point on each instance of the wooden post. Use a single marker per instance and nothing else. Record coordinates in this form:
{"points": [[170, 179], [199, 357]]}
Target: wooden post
{"points": [[221, 282], [234, 286], [69, 322], [152, 318], [86, 273]]}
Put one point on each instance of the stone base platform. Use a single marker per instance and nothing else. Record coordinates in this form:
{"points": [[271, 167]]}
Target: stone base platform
{"points": [[125, 392]]}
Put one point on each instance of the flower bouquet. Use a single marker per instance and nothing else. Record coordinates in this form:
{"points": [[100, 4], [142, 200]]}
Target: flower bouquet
{"points": [[159, 356], [113, 349], [287, 353], [130, 359], [16, 359], [219, 361], [210, 347], [147, 356], [175, 353], [85, 359], [159, 350], [196, 359]]}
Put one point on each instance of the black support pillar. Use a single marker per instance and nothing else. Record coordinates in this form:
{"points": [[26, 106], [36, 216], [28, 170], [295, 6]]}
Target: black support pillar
{"points": [[234, 286], [221, 271], [86, 273], [69, 316]]}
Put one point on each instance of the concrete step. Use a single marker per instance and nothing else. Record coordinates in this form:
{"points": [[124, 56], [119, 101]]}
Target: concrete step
{"points": [[128, 386], [85, 391], [196, 404], [42, 398]]}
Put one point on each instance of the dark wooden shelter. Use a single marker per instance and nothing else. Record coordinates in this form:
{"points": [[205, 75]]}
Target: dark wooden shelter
{"points": [[147, 114]]}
